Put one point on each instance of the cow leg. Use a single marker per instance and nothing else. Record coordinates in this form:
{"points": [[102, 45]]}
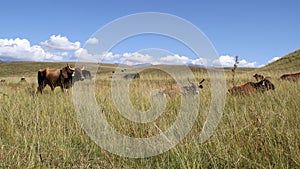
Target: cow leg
{"points": [[41, 86], [40, 89], [62, 89]]}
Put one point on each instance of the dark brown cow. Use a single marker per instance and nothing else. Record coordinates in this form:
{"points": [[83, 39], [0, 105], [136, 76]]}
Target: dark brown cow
{"points": [[132, 76], [251, 87], [87, 74], [290, 77], [78, 76], [55, 77]]}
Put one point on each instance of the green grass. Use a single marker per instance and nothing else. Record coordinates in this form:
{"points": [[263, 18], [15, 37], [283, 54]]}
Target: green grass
{"points": [[42, 131], [287, 64]]}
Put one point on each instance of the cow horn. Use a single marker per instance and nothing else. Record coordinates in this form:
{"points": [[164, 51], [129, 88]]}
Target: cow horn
{"points": [[82, 68], [73, 69], [202, 81]]}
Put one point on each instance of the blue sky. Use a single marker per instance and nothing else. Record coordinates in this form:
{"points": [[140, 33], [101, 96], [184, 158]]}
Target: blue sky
{"points": [[56, 30]]}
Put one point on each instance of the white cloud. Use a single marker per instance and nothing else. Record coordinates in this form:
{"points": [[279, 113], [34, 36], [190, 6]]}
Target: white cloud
{"points": [[60, 43], [21, 49], [83, 55], [200, 61], [273, 60], [92, 41], [228, 61], [139, 58], [175, 59], [135, 58]]}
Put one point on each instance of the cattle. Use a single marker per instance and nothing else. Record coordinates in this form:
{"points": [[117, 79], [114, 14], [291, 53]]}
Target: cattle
{"points": [[86, 74], [55, 77], [23, 79], [78, 75], [258, 77], [251, 87], [185, 90], [132, 76], [290, 77]]}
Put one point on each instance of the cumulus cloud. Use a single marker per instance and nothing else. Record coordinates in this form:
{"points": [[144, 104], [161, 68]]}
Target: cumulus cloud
{"points": [[228, 61], [274, 59], [139, 58], [135, 58], [92, 41], [175, 59], [21, 49], [60, 43]]}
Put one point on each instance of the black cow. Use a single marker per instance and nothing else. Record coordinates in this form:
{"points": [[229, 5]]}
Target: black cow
{"points": [[132, 76]]}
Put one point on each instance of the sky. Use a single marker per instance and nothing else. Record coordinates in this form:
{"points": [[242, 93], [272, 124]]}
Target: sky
{"points": [[257, 31]]}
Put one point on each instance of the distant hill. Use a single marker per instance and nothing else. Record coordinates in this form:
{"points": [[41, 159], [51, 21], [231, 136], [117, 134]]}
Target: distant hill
{"points": [[1, 61], [19, 69], [287, 64], [30, 69]]}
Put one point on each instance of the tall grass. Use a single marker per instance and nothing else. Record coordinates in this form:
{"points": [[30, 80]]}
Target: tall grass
{"points": [[260, 130]]}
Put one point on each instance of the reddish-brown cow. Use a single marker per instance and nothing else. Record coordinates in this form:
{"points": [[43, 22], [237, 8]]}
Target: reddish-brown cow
{"points": [[55, 77], [291, 77], [251, 87]]}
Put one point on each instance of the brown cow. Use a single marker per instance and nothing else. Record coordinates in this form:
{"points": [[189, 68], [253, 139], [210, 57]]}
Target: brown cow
{"points": [[250, 87], [55, 77], [290, 77]]}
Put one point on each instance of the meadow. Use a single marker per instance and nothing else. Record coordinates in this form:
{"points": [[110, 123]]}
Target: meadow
{"points": [[260, 130]]}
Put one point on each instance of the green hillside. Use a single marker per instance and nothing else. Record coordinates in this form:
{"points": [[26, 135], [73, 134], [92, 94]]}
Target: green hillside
{"points": [[287, 64], [18, 69]]}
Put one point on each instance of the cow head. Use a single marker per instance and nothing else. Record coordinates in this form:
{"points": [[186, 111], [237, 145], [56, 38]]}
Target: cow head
{"points": [[67, 72], [258, 77], [193, 88], [78, 74]]}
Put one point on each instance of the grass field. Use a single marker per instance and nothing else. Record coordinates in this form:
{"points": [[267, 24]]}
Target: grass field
{"points": [[260, 130]]}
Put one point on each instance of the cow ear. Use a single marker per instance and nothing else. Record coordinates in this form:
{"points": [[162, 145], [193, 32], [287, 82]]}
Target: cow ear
{"points": [[64, 73]]}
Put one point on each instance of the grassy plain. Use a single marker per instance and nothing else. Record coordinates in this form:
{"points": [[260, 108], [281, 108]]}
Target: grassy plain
{"points": [[260, 130]]}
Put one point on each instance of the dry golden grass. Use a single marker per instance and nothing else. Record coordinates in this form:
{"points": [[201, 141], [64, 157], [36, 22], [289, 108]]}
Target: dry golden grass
{"points": [[256, 131]]}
